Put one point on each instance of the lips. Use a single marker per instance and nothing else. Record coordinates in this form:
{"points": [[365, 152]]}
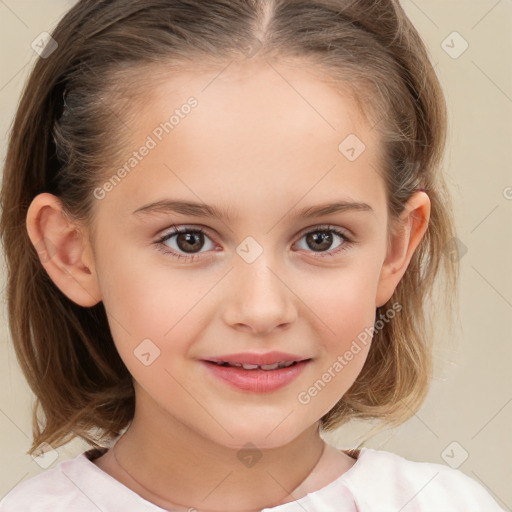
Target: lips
{"points": [[256, 380]]}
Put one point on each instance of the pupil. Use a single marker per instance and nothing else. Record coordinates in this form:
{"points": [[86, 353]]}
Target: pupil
{"points": [[322, 237], [189, 239]]}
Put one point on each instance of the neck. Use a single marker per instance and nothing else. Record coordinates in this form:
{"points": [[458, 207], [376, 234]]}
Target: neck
{"points": [[171, 465]]}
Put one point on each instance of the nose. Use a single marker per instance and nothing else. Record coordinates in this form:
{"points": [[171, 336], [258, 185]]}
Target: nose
{"points": [[259, 300]]}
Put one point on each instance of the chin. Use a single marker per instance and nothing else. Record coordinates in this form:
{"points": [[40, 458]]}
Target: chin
{"points": [[264, 438]]}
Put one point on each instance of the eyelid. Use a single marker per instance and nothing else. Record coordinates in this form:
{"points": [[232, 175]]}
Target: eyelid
{"points": [[183, 228], [347, 234], [174, 229]]}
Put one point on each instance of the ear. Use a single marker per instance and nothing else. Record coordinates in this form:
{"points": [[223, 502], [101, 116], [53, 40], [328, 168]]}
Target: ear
{"points": [[404, 238], [63, 249]]}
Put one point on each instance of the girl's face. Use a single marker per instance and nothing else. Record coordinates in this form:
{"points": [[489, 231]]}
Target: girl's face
{"points": [[258, 144]]}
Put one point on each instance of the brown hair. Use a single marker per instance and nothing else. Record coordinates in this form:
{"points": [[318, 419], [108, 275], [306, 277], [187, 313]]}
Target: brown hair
{"points": [[88, 88]]}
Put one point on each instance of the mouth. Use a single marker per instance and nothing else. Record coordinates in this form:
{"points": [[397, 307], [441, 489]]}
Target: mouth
{"points": [[264, 367]]}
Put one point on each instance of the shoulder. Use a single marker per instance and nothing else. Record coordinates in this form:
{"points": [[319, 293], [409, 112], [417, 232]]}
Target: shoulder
{"points": [[387, 481], [50, 491]]}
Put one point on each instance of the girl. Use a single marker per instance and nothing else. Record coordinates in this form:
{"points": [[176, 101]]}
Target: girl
{"points": [[221, 221]]}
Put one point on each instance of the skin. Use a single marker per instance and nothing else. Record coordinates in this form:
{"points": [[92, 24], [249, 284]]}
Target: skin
{"points": [[261, 146]]}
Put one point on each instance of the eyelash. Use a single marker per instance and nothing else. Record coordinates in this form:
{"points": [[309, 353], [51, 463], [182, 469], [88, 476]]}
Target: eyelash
{"points": [[160, 243]]}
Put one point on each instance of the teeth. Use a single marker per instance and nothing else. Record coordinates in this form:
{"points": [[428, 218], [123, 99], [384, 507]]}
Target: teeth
{"points": [[275, 366], [270, 366], [250, 366]]}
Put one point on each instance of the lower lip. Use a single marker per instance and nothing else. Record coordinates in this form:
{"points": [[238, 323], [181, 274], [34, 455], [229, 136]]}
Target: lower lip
{"points": [[259, 381]]}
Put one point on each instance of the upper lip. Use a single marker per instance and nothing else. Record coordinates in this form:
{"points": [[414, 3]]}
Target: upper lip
{"points": [[255, 358]]}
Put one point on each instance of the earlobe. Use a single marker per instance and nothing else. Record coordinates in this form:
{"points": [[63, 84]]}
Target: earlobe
{"points": [[403, 241], [63, 250]]}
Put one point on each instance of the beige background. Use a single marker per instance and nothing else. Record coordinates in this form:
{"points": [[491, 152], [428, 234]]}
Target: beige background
{"points": [[470, 402]]}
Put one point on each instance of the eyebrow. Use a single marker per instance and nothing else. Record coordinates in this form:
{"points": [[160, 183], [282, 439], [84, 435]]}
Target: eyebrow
{"points": [[203, 210]]}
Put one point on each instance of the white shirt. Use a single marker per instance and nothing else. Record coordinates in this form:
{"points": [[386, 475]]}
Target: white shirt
{"points": [[379, 481]]}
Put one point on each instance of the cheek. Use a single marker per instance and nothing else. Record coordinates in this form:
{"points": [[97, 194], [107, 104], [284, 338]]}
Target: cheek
{"points": [[143, 296], [344, 299], [155, 313], [344, 307]]}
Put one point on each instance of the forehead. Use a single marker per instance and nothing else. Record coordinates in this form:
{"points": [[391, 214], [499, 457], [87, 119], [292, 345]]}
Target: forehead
{"points": [[294, 97], [258, 131]]}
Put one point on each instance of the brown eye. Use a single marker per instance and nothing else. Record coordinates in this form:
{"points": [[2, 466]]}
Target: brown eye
{"points": [[190, 241], [321, 239], [184, 243]]}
